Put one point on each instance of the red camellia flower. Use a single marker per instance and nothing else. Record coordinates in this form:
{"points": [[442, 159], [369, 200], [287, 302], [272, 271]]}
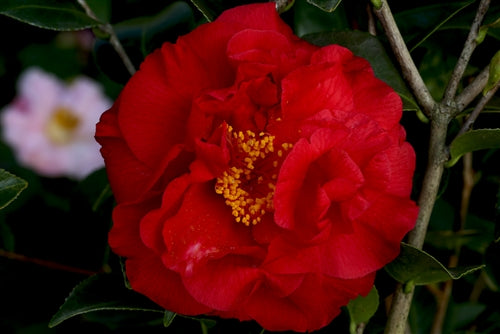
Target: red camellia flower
{"points": [[256, 176]]}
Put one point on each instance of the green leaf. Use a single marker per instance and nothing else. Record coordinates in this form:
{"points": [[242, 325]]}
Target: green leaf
{"points": [[101, 9], [440, 24], [494, 76], [10, 187], [362, 309], [420, 268], [152, 30], [369, 47], [102, 292], [325, 5], [419, 23], [48, 14], [310, 19], [472, 141], [168, 318]]}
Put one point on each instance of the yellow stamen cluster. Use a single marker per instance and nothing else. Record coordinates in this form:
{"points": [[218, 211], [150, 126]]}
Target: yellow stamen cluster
{"points": [[62, 126], [242, 182]]}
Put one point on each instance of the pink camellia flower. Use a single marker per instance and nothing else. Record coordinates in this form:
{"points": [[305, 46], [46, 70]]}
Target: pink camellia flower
{"points": [[50, 125]]}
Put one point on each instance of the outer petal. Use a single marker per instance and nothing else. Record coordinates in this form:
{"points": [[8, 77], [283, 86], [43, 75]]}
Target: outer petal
{"points": [[161, 285], [256, 16], [120, 161], [371, 96], [313, 305], [375, 239]]}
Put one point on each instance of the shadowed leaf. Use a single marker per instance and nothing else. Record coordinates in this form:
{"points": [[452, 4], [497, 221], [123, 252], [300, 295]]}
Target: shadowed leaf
{"points": [[102, 292], [420, 268], [48, 14], [10, 187]]}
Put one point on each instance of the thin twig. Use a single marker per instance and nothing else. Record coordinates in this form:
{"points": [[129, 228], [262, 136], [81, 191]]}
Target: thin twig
{"points": [[477, 110], [372, 29], [44, 263], [410, 71], [472, 90], [468, 49], [113, 39]]}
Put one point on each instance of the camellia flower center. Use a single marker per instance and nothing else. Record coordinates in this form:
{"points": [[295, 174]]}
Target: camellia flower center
{"points": [[62, 125], [248, 186]]}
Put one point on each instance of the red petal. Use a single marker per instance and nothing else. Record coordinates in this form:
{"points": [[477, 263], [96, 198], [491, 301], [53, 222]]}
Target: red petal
{"points": [[203, 229], [292, 181], [124, 236], [157, 100], [311, 89], [375, 239], [371, 96], [392, 170], [151, 226], [262, 16], [120, 161], [313, 305], [224, 284], [148, 276]]}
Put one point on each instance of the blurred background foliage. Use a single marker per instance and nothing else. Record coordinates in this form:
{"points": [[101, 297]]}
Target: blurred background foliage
{"points": [[53, 235]]}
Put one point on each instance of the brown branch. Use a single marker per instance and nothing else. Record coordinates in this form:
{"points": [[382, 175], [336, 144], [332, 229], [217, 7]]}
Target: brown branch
{"points": [[113, 39], [410, 71], [468, 49], [477, 110], [472, 90]]}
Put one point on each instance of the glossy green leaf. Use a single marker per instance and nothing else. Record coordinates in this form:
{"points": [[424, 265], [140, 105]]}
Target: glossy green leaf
{"points": [[367, 46], [461, 6], [362, 309], [326, 5], [10, 187], [419, 23], [48, 14], [420, 268], [99, 293], [472, 141]]}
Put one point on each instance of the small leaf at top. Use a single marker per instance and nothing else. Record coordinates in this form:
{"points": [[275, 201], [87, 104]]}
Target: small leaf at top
{"points": [[326, 5], [102, 292], [362, 309], [10, 187], [472, 141], [420, 268], [48, 14]]}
